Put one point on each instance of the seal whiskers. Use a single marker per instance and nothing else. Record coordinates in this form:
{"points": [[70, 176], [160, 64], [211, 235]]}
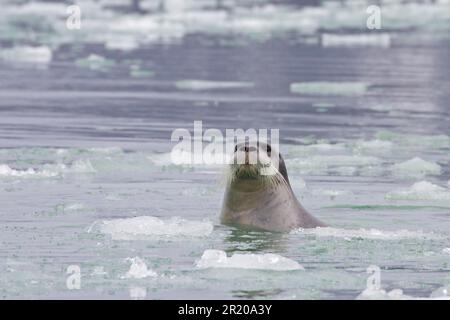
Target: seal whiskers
{"points": [[260, 196]]}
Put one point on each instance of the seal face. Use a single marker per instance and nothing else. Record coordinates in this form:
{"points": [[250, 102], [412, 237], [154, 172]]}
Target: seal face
{"points": [[258, 193]]}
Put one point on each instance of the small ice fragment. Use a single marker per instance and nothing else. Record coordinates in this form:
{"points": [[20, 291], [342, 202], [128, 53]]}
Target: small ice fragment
{"points": [[7, 171], [442, 293], [324, 88], [446, 250], [145, 227], [41, 55], [138, 269], [423, 190], [380, 294], [138, 293], [351, 40], [99, 271], [416, 167], [373, 146], [196, 85], [81, 166], [122, 44], [95, 62], [367, 233], [219, 259]]}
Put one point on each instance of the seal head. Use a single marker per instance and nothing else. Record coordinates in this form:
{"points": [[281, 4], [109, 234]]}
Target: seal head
{"points": [[258, 193]]}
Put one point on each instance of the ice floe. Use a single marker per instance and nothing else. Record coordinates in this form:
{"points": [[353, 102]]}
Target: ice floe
{"points": [[138, 269], [343, 164], [7, 171], [416, 167], [422, 190], [257, 20], [324, 88], [413, 141], [95, 62], [351, 40], [372, 146], [360, 234], [47, 170], [397, 294], [145, 227], [138, 293], [41, 54], [219, 259]]}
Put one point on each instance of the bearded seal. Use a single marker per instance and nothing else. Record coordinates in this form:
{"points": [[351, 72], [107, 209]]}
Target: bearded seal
{"points": [[262, 201]]}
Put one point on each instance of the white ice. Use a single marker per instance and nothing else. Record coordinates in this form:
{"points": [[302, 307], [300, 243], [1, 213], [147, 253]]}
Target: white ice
{"points": [[145, 227], [350, 40], [422, 190], [219, 259], [40, 55], [375, 234], [138, 269], [324, 88], [416, 167]]}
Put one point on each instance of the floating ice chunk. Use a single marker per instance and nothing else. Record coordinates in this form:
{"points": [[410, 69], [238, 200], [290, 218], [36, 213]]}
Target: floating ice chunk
{"points": [[219, 259], [397, 294], [442, 293], [107, 150], [416, 141], [138, 293], [380, 294], [373, 146], [446, 250], [144, 227], [122, 43], [298, 183], [342, 160], [330, 88], [341, 163], [67, 208], [318, 149], [210, 85], [48, 170], [175, 6], [43, 8], [138, 269], [137, 72], [99, 271], [7, 171], [375, 234], [213, 155], [331, 193], [81, 166], [95, 62], [351, 40], [423, 190], [41, 55], [416, 167]]}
